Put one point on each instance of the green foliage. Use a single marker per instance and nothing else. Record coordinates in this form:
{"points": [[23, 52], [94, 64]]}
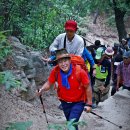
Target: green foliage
{"points": [[38, 22], [10, 81], [19, 125], [5, 48], [68, 126]]}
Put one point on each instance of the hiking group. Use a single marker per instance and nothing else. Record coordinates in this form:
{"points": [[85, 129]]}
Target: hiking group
{"points": [[82, 74]]}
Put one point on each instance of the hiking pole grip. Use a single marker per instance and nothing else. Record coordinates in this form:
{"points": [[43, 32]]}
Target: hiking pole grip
{"points": [[40, 97]]}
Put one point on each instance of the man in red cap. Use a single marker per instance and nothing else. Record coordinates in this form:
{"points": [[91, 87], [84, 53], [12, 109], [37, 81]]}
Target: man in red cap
{"points": [[73, 43]]}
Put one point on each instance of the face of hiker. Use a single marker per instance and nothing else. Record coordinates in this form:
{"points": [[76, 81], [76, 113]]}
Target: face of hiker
{"points": [[126, 61], [70, 34], [64, 64]]}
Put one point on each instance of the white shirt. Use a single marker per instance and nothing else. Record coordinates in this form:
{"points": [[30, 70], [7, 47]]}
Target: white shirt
{"points": [[76, 46]]}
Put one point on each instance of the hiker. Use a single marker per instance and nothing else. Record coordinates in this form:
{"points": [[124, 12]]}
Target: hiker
{"points": [[97, 44], [117, 58], [124, 45], [123, 71], [73, 91], [103, 74], [73, 43]]}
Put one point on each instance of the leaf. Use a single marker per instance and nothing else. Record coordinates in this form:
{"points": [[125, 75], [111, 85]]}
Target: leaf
{"points": [[19, 125], [8, 79], [56, 127], [71, 128]]}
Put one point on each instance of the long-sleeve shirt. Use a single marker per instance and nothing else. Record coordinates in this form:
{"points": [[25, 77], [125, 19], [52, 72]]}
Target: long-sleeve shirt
{"points": [[76, 46], [124, 71]]}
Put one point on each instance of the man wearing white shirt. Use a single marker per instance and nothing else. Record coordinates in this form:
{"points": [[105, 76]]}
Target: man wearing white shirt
{"points": [[73, 43]]}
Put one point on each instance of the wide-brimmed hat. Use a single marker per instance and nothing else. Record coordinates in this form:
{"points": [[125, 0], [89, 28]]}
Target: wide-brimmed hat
{"points": [[99, 53], [109, 51], [71, 25], [62, 53]]}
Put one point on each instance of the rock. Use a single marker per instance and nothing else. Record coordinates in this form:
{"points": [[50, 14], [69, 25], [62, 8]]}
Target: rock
{"points": [[21, 61], [30, 73], [21, 76], [30, 62], [16, 44], [13, 39], [25, 82]]}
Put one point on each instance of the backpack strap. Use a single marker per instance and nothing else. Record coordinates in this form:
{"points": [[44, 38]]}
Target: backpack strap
{"points": [[84, 42], [78, 70], [65, 42], [57, 69]]}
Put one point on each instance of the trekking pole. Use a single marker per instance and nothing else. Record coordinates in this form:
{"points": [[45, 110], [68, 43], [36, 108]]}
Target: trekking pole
{"points": [[40, 97], [87, 40], [105, 119]]}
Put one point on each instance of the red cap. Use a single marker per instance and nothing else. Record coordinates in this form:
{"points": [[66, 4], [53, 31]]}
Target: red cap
{"points": [[71, 25]]}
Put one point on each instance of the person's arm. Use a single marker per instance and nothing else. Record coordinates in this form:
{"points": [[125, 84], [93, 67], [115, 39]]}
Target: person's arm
{"points": [[54, 46], [118, 82], [86, 83], [118, 72], [50, 82], [89, 57], [46, 86], [88, 105], [109, 74]]}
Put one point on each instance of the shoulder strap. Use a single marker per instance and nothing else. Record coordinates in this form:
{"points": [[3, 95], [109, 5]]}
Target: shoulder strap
{"points": [[65, 41], [78, 69], [56, 71], [84, 42]]}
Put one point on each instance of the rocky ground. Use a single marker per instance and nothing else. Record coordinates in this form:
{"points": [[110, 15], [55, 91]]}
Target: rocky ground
{"points": [[114, 109]]}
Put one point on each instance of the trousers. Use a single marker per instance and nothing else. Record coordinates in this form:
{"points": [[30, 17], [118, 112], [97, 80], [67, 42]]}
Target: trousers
{"points": [[73, 110]]}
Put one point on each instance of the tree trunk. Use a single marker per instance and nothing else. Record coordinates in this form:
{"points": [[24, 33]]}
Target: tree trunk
{"points": [[119, 19], [5, 15], [96, 16]]}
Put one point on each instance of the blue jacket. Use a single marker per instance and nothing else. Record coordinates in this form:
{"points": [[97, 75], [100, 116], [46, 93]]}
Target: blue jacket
{"points": [[87, 56]]}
